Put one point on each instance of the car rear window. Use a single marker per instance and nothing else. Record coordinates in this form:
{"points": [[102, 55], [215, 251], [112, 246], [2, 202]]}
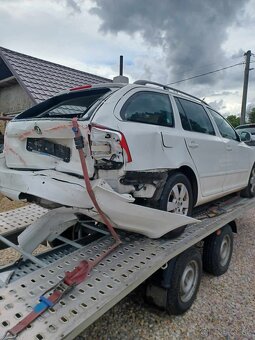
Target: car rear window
{"points": [[79, 104]]}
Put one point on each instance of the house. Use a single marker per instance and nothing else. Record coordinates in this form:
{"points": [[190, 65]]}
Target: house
{"points": [[26, 81]]}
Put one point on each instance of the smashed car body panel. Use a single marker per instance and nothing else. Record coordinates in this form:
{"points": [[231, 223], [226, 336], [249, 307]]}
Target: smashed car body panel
{"points": [[41, 145], [150, 222], [68, 190]]}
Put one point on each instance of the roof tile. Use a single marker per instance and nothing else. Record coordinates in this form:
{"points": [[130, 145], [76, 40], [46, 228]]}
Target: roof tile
{"points": [[43, 79]]}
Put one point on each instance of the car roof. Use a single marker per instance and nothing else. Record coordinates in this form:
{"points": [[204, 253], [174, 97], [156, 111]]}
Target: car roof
{"points": [[139, 83]]}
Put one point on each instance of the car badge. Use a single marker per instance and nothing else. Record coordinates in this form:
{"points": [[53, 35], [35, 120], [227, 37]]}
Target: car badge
{"points": [[37, 130]]}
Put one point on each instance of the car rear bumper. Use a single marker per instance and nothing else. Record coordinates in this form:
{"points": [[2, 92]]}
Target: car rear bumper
{"points": [[50, 185], [70, 191]]}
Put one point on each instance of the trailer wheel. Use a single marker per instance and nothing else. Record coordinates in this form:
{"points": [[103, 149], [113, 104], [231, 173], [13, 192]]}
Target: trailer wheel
{"points": [[249, 191], [177, 198], [184, 281], [217, 251]]}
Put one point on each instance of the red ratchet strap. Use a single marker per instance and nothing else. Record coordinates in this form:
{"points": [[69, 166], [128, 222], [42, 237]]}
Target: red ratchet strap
{"points": [[80, 273], [52, 296], [79, 143]]}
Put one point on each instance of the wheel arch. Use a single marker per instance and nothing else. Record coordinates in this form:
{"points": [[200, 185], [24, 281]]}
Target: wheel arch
{"points": [[233, 226], [190, 174]]}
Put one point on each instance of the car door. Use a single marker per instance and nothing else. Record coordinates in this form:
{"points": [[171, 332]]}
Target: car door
{"points": [[145, 116], [238, 155], [205, 147]]}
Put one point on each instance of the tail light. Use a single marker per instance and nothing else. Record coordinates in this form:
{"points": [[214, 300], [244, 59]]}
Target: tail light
{"points": [[109, 146]]}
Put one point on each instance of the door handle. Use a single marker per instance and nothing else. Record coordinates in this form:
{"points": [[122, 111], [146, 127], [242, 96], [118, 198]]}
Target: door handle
{"points": [[192, 144], [228, 148]]}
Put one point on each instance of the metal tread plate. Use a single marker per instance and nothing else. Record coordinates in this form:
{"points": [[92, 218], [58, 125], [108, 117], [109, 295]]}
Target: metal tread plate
{"points": [[26, 266], [134, 261], [20, 218]]}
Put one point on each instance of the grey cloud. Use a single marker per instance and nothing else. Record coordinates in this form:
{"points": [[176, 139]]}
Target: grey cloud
{"points": [[217, 105], [224, 93], [238, 54], [191, 33], [251, 105], [74, 5]]}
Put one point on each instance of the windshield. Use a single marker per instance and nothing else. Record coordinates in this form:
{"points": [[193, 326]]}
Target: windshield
{"points": [[73, 104]]}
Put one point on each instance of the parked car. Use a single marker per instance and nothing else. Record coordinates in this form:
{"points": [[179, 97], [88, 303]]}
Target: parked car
{"points": [[167, 149], [249, 128]]}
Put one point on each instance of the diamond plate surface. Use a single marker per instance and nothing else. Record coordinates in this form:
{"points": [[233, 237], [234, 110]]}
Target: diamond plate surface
{"points": [[134, 261], [19, 218]]}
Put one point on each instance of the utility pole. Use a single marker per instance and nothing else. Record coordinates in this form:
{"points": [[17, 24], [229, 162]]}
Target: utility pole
{"points": [[245, 86]]}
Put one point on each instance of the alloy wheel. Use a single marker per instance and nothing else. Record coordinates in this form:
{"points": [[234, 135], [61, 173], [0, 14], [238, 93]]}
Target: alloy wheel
{"points": [[178, 200]]}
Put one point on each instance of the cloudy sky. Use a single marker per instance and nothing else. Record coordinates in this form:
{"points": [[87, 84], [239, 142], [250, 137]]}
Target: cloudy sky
{"points": [[161, 40]]}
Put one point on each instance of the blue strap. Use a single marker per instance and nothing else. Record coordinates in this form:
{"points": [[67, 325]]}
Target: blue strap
{"points": [[44, 304]]}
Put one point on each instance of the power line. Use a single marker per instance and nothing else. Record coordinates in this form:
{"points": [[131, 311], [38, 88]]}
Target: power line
{"points": [[204, 74], [206, 65]]}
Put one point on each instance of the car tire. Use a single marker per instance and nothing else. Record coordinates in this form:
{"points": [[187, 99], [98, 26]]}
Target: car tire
{"points": [[249, 191], [173, 200], [217, 251], [184, 281]]}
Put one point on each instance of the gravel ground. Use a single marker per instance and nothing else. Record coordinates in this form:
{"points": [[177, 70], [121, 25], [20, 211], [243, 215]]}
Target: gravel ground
{"points": [[6, 204], [224, 308]]}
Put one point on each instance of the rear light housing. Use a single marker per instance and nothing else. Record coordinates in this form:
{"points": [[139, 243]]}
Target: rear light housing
{"points": [[109, 146]]}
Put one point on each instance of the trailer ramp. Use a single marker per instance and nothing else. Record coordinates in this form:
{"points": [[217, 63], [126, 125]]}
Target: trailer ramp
{"points": [[121, 272], [16, 220]]}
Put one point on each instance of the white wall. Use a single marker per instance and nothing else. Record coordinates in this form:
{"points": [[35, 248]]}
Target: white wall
{"points": [[13, 99]]}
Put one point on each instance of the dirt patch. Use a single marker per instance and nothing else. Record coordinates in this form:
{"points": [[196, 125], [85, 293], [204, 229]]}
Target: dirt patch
{"points": [[7, 204], [2, 126]]}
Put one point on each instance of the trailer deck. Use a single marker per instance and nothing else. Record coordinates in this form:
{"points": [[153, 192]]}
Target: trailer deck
{"points": [[135, 260]]}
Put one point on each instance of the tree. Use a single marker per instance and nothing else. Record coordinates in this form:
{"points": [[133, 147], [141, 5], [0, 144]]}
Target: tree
{"points": [[251, 115], [233, 120]]}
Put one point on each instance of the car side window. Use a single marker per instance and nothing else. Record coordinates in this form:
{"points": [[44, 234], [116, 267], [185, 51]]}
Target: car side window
{"points": [[184, 119], [194, 117], [224, 127], [149, 108]]}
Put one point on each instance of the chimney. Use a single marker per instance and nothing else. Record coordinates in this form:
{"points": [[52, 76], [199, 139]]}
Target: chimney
{"points": [[121, 78]]}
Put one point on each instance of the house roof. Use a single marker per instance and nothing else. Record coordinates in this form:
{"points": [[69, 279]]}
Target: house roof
{"points": [[42, 79]]}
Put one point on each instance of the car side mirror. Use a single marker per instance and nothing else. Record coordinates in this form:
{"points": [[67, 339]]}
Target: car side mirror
{"points": [[245, 136]]}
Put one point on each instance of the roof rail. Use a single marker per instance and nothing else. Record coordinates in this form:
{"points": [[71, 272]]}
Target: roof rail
{"points": [[166, 87]]}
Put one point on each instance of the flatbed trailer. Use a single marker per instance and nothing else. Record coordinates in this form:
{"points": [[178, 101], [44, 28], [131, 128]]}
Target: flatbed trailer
{"points": [[137, 259]]}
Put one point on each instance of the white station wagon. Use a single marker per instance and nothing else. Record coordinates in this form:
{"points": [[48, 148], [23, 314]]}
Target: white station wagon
{"points": [[151, 145]]}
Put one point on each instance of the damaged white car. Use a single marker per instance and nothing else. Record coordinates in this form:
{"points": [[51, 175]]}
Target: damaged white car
{"points": [[146, 146]]}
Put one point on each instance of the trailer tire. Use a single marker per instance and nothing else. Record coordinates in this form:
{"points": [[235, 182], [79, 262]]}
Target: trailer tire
{"points": [[217, 251], [180, 181], [184, 281], [249, 191]]}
